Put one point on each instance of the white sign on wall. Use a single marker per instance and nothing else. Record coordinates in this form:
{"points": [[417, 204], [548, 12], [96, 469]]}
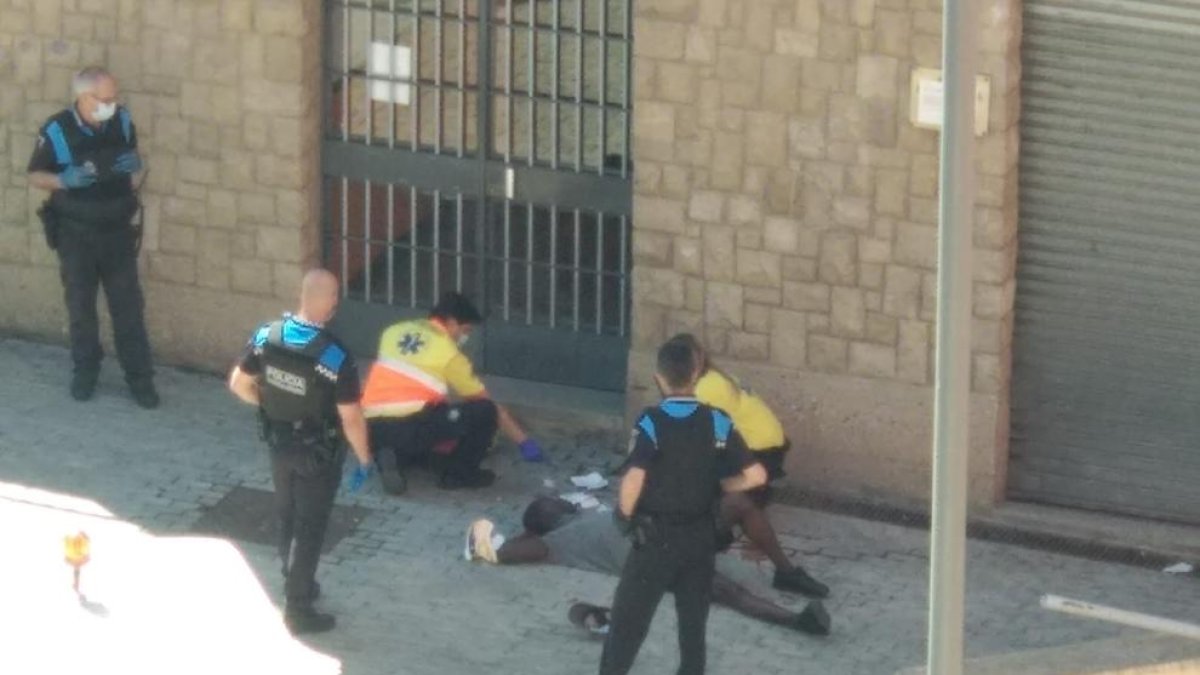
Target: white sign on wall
{"points": [[929, 94], [394, 62]]}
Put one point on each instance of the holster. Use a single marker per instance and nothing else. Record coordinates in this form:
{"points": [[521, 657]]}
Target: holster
{"points": [[323, 438], [645, 530], [653, 528], [50, 224], [136, 222]]}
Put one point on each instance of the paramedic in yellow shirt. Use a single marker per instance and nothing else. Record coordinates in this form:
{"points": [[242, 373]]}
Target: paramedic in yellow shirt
{"points": [[751, 416], [407, 402], [763, 435]]}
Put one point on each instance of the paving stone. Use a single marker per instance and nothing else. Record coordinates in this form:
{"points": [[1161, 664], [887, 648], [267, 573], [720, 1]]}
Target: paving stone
{"points": [[405, 599]]}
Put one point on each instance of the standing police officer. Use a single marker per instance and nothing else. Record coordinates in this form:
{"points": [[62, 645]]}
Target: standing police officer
{"points": [[304, 382], [684, 453], [86, 157]]}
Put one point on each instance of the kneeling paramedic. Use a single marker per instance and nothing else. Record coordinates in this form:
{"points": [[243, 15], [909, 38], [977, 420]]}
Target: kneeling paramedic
{"points": [[306, 386], [410, 416], [684, 454]]}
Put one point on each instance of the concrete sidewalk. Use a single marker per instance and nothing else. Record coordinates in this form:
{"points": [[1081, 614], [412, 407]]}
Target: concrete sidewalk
{"points": [[406, 601]]}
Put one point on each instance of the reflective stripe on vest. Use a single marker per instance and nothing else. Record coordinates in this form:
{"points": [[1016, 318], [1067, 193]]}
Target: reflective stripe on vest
{"points": [[126, 124], [62, 151], [395, 389]]}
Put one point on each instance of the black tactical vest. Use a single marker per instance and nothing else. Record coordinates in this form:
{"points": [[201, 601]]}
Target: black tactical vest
{"points": [[292, 393], [683, 482]]}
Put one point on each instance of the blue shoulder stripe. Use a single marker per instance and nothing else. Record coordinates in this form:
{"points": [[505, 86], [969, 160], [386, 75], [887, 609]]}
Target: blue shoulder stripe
{"points": [[647, 426], [332, 358], [126, 124], [62, 151], [722, 425], [261, 335], [297, 334]]}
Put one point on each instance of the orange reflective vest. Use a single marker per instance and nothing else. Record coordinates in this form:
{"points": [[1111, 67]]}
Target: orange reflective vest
{"points": [[418, 365]]}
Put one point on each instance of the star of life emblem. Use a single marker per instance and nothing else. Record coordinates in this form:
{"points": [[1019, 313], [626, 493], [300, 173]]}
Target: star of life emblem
{"points": [[411, 343]]}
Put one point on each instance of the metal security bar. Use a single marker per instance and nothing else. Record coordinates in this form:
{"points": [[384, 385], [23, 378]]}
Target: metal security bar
{"points": [[560, 268], [561, 104], [407, 63], [482, 146]]}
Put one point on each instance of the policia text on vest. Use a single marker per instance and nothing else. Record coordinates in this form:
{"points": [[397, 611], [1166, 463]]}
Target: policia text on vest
{"points": [[684, 454], [86, 156], [306, 387]]}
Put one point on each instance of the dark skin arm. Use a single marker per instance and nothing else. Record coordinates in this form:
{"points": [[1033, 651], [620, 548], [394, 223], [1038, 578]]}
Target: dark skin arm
{"points": [[729, 593]]}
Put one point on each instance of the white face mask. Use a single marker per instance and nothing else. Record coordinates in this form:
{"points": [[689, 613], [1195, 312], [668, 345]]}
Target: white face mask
{"points": [[105, 111], [462, 340]]}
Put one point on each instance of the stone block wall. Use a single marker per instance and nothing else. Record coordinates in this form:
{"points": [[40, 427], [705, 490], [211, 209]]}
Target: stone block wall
{"points": [[225, 97], [786, 211]]}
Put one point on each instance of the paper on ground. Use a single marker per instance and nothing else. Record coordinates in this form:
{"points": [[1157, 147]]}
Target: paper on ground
{"points": [[591, 481], [581, 499]]}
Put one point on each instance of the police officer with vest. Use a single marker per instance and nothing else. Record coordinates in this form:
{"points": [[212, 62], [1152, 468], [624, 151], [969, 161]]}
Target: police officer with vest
{"points": [[86, 156], [306, 386], [683, 455], [407, 402]]}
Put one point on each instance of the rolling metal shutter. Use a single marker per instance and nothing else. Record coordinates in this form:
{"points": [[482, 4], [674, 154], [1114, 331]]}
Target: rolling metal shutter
{"points": [[1106, 363]]}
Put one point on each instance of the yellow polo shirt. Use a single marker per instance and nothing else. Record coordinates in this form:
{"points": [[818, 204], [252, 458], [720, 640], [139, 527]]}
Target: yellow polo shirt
{"points": [[418, 365], [751, 416]]}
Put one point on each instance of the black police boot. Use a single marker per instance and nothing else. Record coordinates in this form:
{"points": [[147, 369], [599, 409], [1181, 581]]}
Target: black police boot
{"points": [[308, 620], [83, 385], [796, 580], [390, 475], [313, 593], [144, 393], [814, 620], [473, 480]]}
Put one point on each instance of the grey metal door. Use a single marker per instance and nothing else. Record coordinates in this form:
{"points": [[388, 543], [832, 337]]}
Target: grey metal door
{"points": [[482, 146], [1106, 379]]}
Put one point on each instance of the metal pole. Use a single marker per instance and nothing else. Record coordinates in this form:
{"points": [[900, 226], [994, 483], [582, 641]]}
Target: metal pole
{"points": [[952, 387]]}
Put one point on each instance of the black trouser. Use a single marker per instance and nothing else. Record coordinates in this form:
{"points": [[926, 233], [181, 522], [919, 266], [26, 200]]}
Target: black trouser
{"points": [[453, 438], [91, 254], [773, 459], [306, 480], [676, 558]]}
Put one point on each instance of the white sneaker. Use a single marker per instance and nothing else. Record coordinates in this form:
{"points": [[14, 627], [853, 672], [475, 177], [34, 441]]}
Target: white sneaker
{"points": [[479, 545]]}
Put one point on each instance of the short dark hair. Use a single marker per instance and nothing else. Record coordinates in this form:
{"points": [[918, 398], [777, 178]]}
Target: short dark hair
{"points": [[676, 363], [546, 514], [456, 306]]}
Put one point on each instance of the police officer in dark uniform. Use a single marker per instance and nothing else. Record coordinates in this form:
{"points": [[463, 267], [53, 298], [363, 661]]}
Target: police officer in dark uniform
{"points": [[86, 156], [306, 386], [683, 454]]}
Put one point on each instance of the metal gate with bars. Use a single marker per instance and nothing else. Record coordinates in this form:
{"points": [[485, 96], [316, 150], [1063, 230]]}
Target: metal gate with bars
{"points": [[483, 146], [1106, 369]]}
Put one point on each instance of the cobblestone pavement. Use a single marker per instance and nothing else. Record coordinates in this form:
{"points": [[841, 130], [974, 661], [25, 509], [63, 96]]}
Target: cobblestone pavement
{"points": [[408, 603]]}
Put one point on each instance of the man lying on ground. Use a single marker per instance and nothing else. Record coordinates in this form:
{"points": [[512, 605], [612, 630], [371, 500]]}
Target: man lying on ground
{"points": [[556, 533]]}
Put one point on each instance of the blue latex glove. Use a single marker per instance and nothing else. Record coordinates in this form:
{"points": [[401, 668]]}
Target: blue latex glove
{"points": [[129, 162], [76, 176], [531, 451], [358, 477]]}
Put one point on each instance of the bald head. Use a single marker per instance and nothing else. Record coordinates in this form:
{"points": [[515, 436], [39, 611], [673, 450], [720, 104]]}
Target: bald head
{"points": [[318, 295]]}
